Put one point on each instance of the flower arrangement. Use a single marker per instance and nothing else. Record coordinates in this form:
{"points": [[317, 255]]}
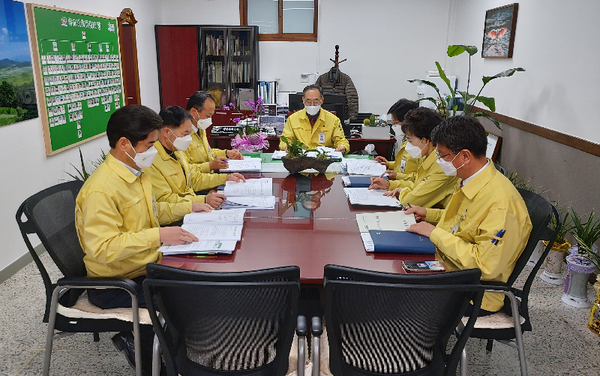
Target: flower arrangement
{"points": [[249, 137]]}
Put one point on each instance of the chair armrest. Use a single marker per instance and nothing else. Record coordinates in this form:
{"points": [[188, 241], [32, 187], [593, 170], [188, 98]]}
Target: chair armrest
{"points": [[93, 283], [301, 328], [316, 327]]}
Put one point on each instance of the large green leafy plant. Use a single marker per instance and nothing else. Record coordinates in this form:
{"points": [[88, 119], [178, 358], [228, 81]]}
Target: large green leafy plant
{"points": [[443, 103]]}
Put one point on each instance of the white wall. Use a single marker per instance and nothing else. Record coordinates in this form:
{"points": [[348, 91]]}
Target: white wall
{"points": [[556, 43], [386, 42], [25, 168]]}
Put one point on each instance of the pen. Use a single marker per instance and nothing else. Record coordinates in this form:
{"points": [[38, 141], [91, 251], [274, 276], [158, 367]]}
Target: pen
{"points": [[498, 235], [408, 203], [382, 175]]}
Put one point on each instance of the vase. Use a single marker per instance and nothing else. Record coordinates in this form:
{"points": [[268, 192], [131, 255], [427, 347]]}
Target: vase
{"points": [[298, 164], [552, 273], [536, 254], [575, 293], [594, 323]]}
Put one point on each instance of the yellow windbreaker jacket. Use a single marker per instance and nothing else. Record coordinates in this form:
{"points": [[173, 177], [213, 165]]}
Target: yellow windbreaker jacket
{"points": [[199, 152], [432, 188], [405, 167], [172, 180], [297, 127], [118, 221], [467, 231]]}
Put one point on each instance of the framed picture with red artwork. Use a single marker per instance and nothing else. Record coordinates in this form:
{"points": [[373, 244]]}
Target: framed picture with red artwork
{"points": [[499, 31]]}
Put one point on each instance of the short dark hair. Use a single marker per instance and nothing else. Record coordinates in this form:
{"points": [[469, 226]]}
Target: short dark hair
{"points": [[174, 116], [461, 132], [400, 108], [420, 122], [312, 87], [134, 122], [197, 100]]}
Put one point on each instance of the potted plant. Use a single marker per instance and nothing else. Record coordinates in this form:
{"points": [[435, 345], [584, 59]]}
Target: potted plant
{"points": [[443, 103], [249, 138], [296, 160], [375, 129], [554, 261], [582, 260]]}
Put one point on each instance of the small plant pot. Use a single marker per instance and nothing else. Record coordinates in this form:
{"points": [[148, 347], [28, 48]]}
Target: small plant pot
{"points": [[536, 254], [375, 133], [575, 293], [552, 273], [298, 164]]}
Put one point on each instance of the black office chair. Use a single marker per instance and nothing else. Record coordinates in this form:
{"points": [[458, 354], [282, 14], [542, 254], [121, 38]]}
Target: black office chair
{"points": [[50, 214], [398, 324], [224, 323], [508, 325]]}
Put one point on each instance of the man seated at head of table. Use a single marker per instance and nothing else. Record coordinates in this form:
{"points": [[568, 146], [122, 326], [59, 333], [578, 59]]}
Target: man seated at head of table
{"points": [[486, 225], [201, 107], [172, 178], [432, 188], [118, 221], [403, 168], [314, 126]]}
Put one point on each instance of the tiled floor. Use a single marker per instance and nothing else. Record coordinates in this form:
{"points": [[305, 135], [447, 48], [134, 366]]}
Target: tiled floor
{"points": [[560, 343]]}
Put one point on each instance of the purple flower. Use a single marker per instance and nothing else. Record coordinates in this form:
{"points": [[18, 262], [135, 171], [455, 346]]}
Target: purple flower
{"points": [[236, 120]]}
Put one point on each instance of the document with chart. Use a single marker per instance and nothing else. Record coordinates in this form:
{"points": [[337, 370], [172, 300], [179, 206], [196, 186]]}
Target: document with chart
{"points": [[243, 165], [373, 197]]}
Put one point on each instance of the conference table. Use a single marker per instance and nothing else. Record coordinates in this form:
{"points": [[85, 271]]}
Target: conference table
{"points": [[312, 225]]}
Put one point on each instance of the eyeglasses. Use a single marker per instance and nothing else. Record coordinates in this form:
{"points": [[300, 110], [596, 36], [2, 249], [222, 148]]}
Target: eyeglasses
{"points": [[441, 157], [315, 102]]}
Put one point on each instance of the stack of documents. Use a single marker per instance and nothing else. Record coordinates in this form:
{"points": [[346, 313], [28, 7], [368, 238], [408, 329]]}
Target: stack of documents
{"points": [[367, 167], [243, 165], [217, 231], [356, 181], [374, 197], [386, 233], [253, 194]]}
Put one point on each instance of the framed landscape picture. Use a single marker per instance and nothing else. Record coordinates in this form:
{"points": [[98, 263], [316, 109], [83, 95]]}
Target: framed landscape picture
{"points": [[17, 90], [499, 32]]}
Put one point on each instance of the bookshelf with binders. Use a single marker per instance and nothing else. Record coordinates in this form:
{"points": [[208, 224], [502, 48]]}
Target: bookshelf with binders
{"points": [[268, 91], [224, 62]]}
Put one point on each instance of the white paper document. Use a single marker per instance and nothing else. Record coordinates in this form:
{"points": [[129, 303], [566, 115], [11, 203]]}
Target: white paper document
{"points": [[364, 167], [243, 165], [253, 202], [331, 153], [277, 154], [374, 197], [385, 221], [367, 241], [221, 217], [251, 187], [202, 247], [215, 232]]}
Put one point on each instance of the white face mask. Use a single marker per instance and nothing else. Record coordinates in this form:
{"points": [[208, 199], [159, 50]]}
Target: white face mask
{"points": [[204, 123], [312, 110], [413, 151], [448, 167], [144, 159], [181, 143]]}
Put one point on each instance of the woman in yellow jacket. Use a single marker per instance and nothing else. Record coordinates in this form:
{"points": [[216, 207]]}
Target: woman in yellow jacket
{"points": [[403, 169], [432, 188], [173, 180]]}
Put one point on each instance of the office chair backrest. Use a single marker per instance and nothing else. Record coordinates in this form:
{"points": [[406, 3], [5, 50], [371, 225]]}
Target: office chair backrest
{"points": [[50, 214], [541, 212], [382, 323], [235, 323]]}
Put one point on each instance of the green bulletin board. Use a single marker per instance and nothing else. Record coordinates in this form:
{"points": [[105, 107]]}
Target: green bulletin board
{"points": [[79, 74]]}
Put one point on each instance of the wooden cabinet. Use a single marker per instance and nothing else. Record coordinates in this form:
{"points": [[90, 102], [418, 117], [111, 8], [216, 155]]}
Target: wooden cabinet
{"points": [[220, 59]]}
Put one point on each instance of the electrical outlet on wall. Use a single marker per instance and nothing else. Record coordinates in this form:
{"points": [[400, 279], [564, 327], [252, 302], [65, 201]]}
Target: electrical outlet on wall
{"points": [[304, 77]]}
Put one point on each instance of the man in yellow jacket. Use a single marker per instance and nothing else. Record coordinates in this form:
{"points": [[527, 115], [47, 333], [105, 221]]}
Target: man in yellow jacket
{"points": [[486, 224], [403, 169], [118, 221], [314, 126], [432, 188], [173, 179], [202, 107]]}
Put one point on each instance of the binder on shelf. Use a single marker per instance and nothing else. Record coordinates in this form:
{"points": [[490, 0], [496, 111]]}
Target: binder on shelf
{"points": [[401, 242]]}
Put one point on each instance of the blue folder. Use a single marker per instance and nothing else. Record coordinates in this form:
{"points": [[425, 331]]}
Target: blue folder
{"points": [[401, 242], [359, 181]]}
